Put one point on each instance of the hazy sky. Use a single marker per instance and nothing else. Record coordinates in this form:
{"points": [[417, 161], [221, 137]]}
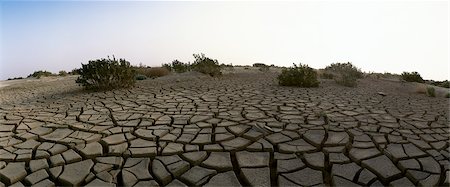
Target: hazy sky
{"points": [[375, 36]]}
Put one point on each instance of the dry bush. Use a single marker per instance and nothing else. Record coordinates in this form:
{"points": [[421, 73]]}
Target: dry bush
{"points": [[153, 72]]}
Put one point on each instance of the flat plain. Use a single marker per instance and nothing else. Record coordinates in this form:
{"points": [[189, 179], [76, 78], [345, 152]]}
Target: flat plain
{"points": [[237, 130]]}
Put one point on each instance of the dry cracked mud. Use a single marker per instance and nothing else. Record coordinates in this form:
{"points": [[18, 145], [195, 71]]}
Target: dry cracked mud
{"points": [[238, 130]]}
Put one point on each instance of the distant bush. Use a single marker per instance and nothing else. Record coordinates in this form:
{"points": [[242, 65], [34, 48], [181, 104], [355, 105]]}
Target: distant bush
{"points": [[39, 74], [431, 91], [345, 74], [153, 72], [177, 66], [63, 73], [206, 65], [258, 65], [15, 78], [106, 74], [300, 76], [444, 84], [412, 77]]}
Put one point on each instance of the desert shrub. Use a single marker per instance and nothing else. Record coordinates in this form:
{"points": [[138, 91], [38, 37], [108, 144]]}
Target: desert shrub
{"points": [[153, 72], [206, 65], [75, 71], [412, 77], [345, 74], [40, 73], [262, 67], [431, 91], [140, 77], [63, 73], [300, 76], [15, 78], [444, 84], [258, 65], [106, 74], [178, 66]]}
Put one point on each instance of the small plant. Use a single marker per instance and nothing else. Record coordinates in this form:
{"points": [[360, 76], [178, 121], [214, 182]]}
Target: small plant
{"points": [[431, 91], [345, 74], [206, 65], [300, 76], [106, 74], [412, 77], [39, 74], [140, 77]]}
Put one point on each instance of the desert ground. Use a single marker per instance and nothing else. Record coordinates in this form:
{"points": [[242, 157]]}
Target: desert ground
{"points": [[236, 130]]}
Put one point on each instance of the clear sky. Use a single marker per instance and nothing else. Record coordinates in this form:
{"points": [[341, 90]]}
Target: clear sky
{"points": [[382, 36]]}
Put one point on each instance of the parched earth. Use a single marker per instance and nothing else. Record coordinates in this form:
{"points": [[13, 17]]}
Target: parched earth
{"points": [[240, 129]]}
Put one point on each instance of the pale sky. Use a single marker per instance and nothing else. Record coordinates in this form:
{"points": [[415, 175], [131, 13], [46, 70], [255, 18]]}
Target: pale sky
{"points": [[375, 36]]}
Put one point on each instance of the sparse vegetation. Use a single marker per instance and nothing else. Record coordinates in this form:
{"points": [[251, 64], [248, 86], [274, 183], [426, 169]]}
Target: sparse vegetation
{"points": [[106, 74], [177, 66], [15, 78], [152, 72], [300, 76], [431, 91], [412, 77], [206, 65], [444, 84], [40, 73], [345, 74], [63, 73]]}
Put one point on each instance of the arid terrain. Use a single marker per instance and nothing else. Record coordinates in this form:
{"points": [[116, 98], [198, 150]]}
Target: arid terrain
{"points": [[238, 129]]}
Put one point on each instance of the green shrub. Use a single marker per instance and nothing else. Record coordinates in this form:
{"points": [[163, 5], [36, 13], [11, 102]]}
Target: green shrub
{"points": [[345, 74], [75, 72], [106, 74], [300, 76], [40, 73], [140, 77], [206, 65], [431, 91], [412, 77], [178, 66]]}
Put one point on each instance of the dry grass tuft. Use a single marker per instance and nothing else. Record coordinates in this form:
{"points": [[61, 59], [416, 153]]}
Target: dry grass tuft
{"points": [[153, 72]]}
